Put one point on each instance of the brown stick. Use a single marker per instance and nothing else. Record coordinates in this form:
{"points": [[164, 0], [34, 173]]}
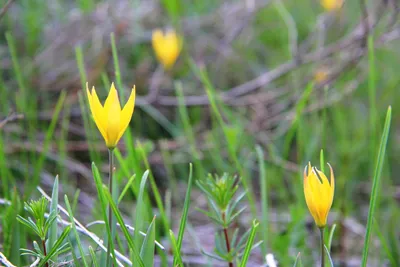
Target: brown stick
{"points": [[227, 242]]}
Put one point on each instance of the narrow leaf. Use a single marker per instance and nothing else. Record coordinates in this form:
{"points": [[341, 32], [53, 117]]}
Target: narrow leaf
{"points": [[375, 185], [147, 250]]}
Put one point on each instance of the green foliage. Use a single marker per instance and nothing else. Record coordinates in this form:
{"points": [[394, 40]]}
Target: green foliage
{"points": [[40, 225], [263, 129], [376, 184], [220, 192]]}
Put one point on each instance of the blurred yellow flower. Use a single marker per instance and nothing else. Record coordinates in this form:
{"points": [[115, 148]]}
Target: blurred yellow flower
{"points": [[321, 75], [110, 119], [331, 5], [166, 47], [319, 192]]}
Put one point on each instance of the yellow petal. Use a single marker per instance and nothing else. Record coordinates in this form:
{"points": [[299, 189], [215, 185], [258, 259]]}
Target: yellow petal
{"points": [[89, 96], [113, 122], [126, 113], [318, 193], [332, 4], [97, 111], [309, 196], [112, 99], [167, 47]]}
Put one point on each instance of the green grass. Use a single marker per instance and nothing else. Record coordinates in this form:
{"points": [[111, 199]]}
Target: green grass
{"points": [[168, 147]]}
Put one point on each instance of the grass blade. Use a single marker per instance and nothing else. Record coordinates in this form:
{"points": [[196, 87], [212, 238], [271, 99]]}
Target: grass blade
{"points": [[264, 199], [147, 250], [103, 204], [329, 256], [249, 245], [185, 211], [54, 227], [124, 229], [331, 237], [375, 185], [46, 144], [175, 250], [78, 240], [93, 255], [298, 260], [126, 188], [322, 160], [140, 212]]}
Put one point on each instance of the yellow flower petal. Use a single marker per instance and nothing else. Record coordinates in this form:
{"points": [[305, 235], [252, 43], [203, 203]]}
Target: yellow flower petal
{"points": [[331, 5], [110, 120], [112, 98], [113, 122], [97, 111], [318, 192], [166, 47], [126, 113]]}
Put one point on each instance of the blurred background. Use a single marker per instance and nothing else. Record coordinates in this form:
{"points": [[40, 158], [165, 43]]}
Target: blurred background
{"points": [[288, 77]]}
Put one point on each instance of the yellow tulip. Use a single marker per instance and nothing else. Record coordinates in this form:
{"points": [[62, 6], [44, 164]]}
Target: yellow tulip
{"points": [[110, 119], [318, 191], [166, 47], [321, 75], [331, 5]]}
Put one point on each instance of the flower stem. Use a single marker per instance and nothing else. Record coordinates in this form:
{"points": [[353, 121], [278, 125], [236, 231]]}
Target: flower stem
{"points": [[227, 242], [110, 220], [321, 231], [44, 251]]}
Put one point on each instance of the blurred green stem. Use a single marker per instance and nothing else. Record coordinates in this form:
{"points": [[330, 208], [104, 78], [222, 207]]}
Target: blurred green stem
{"points": [[110, 181], [321, 230]]}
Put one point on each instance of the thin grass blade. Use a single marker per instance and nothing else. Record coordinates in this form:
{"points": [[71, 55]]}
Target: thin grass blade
{"points": [[375, 185]]}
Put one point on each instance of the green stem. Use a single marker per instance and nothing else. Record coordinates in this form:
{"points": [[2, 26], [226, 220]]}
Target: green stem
{"points": [[110, 184], [321, 230]]}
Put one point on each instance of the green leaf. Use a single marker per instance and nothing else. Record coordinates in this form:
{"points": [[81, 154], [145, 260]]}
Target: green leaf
{"points": [[46, 145], [331, 236], [78, 240], [12, 230], [375, 185], [298, 260], [322, 161], [57, 247], [53, 210], [147, 250], [103, 205], [140, 211], [185, 209], [249, 245], [93, 255], [264, 198], [329, 256], [175, 251], [30, 224], [126, 188], [124, 229]]}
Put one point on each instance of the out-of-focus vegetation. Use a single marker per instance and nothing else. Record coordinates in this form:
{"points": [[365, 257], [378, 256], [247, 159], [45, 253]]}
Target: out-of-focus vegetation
{"points": [[258, 89]]}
